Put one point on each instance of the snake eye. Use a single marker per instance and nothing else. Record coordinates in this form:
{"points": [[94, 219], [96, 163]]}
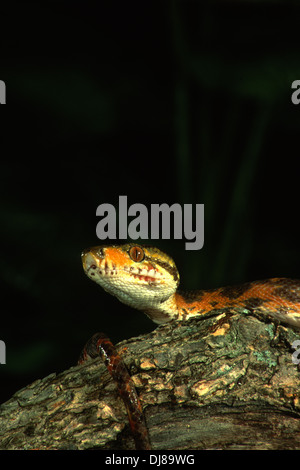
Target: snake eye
{"points": [[136, 253]]}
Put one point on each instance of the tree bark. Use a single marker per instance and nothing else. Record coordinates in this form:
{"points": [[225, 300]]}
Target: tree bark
{"points": [[222, 382]]}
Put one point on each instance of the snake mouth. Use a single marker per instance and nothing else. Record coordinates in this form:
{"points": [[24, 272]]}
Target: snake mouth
{"points": [[143, 277], [96, 267], [92, 270]]}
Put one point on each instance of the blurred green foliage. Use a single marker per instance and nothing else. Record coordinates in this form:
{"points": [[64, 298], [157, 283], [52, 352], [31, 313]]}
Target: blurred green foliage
{"points": [[183, 102]]}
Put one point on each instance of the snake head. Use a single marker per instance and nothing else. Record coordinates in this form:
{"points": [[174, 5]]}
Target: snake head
{"points": [[142, 277]]}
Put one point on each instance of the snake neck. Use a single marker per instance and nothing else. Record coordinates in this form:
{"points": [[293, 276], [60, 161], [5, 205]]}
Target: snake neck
{"points": [[164, 312]]}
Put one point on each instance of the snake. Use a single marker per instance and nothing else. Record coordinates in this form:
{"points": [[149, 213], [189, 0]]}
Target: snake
{"points": [[100, 344], [145, 278]]}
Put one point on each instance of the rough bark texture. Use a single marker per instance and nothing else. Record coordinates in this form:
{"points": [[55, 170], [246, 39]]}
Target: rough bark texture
{"points": [[225, 382]]}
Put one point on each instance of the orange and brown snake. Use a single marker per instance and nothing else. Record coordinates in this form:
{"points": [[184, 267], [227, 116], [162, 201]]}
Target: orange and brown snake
{"points": [[147, 279]]}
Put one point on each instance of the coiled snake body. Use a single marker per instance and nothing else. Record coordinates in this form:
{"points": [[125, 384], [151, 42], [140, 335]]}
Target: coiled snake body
{"points": [[147, 279]]}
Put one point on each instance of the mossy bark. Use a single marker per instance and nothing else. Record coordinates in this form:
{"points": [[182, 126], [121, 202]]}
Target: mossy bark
{"points": [[224, 382]]}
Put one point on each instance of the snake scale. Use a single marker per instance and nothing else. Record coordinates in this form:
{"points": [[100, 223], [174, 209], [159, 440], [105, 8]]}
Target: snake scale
{"points": [[147, 279]]}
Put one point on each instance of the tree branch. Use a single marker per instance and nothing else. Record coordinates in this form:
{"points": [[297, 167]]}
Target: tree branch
{"points": [[227, 381]]}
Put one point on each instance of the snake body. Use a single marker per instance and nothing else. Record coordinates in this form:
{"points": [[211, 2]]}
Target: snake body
{"points": [[100, 344], [145, 278]]}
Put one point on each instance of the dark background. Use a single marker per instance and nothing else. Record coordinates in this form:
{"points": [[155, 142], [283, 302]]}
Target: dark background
{"points": [[186, 102]]}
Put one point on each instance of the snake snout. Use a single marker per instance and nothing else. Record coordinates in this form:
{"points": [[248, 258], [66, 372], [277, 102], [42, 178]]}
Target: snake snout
{"points": [[87, 259]]}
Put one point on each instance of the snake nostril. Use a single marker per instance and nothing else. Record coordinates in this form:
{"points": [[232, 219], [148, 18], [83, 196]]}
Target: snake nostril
{"points": [[85, 251]]}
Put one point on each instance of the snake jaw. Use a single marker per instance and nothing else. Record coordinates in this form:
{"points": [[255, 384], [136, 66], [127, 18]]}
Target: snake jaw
{"points": [[143, 274]]}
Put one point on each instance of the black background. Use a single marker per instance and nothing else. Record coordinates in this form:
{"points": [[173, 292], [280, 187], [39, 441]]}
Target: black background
{"points": [[186, 102]]}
